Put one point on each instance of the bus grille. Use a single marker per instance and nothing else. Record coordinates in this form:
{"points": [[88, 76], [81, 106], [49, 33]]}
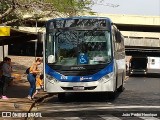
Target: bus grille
{"points": [[79, 73], [85, 88]]}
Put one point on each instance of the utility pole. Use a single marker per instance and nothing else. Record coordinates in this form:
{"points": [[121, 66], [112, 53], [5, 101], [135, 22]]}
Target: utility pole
{"points": [[36, 39], [2, 23]]}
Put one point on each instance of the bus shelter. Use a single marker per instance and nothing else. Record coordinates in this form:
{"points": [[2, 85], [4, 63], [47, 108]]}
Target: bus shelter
{"points": [[16, 36]]}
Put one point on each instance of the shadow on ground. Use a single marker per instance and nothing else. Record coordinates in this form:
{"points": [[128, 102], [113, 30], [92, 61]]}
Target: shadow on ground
{"points": [[18, 89], [85, 98]]}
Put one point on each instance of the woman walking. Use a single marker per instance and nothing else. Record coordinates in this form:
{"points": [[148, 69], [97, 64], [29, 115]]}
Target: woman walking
{"points": [[33, 72]]}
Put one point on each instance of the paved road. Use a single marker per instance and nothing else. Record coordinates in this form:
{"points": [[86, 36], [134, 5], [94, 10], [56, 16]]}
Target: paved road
{"points": [[139, 101]]}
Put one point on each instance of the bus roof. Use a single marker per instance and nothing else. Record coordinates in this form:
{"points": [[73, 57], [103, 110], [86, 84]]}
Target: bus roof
{"points": [[81, 17]]}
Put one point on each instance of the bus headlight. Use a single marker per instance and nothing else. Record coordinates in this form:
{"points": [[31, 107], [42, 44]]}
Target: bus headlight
{"points": [[107, 77], [51, 79]]}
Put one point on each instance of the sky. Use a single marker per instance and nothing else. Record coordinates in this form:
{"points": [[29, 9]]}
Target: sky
{"points": [[132, 7]]}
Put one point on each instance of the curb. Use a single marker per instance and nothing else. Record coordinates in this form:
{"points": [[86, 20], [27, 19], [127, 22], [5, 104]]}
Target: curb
{"points": [[39, 100]]}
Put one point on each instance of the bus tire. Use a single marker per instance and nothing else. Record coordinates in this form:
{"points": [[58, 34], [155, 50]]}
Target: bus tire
{"points": [[120, 89], [112, 95], [61, 96]]}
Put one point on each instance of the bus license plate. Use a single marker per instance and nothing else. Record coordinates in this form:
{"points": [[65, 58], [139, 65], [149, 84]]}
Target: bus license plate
{"points": [[78, 88]]}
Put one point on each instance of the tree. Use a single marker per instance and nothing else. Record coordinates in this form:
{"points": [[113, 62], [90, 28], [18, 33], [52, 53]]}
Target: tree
{"points": [[15, 11]]}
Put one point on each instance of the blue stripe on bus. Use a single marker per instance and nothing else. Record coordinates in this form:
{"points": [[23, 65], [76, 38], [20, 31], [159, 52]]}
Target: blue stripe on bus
{"points": [[89, 78]]}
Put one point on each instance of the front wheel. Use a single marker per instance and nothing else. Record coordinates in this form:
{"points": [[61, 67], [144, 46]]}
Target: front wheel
{"points": [[61, 96], [121, 88], [112, 95]]}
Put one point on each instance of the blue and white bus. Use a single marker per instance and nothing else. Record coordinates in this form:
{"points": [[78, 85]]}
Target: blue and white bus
{"points": [[83, 54]]}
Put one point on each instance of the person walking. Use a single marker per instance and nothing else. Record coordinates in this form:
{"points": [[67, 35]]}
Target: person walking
{"points": [[31, 77], [39, 85], [6, 76]]}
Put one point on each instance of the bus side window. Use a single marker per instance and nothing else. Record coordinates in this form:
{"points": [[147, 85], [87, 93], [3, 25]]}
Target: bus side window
{"points": [[118, 37]]}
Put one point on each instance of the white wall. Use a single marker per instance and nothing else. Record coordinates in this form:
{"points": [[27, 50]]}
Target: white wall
{"points": [[153, 62], [5, 52]]}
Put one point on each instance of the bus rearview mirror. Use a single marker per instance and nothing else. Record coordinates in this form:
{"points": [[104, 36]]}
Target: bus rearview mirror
{"points": [[51, 59]]}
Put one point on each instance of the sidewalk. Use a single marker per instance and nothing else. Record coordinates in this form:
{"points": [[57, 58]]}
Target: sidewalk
{"points": [[17, 94], [18, 91]]}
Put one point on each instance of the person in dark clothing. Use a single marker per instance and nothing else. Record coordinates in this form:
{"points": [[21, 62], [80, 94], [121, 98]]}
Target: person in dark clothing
{"points": [[6, 76]]}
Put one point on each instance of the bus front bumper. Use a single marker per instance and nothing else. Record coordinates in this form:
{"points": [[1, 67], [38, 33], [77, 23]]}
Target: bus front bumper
{"points": [[96, 86]]}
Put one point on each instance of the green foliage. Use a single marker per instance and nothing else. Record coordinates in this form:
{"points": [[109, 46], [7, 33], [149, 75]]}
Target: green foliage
{"points": [[70, 7], [42, 8], [4, 6], [66, 7]]}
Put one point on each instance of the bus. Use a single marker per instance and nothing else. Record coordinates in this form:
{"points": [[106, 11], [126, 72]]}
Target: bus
{"points": [[83, 54], [138, 65]]}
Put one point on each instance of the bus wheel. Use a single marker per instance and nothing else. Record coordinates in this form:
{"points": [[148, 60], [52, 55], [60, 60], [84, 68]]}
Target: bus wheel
{"points": [[120, 89], [61, 96], [112, 95]]}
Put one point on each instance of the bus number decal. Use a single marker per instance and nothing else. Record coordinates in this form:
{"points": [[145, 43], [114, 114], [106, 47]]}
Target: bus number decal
{"points": [[64, 77]]}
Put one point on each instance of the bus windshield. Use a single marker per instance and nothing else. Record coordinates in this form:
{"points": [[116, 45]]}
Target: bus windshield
{"points": [[76, 47]]}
